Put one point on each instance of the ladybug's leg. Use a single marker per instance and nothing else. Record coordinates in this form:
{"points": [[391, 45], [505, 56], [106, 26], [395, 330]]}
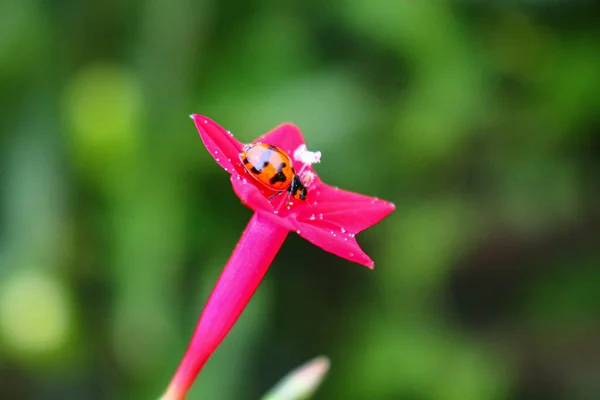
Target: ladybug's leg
{"points": [[281, 203], [275, 195]]}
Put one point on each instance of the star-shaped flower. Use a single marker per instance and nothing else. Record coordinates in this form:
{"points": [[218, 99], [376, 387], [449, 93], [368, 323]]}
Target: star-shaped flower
{"points": [[327, 217]]}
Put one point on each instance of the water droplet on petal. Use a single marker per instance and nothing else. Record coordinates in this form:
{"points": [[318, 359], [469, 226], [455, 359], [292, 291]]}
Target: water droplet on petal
{"points": [[275, 212], [206, 121], [351, 254], [343, 230], [217, 159], [298, 231]]}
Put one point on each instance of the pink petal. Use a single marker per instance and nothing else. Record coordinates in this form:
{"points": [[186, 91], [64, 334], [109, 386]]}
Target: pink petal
{"points": [[337, 242], [287, 136], [224, 148], [352, 211], [252, 197]]}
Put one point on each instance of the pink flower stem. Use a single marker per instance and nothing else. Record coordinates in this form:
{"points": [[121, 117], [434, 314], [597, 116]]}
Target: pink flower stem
{"points": [[244, 271]]}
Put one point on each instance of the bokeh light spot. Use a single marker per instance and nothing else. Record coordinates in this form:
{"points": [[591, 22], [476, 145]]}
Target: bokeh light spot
{"points": [[35, 314], [102, 106]]}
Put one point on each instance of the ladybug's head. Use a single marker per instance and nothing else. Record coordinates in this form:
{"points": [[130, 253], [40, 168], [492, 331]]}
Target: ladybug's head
{"points": [[299, 191]]}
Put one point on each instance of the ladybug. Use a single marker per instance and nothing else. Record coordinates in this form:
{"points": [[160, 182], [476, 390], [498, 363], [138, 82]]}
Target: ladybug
{"points": [[273, 167]]}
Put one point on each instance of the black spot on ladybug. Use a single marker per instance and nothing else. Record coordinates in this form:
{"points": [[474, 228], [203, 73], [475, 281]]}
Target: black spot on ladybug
{"points": [[279, 176]]}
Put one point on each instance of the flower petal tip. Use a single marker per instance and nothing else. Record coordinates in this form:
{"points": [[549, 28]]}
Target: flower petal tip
{"points": [[221, 145], [365, 263], [388, 205], [199, 118]]}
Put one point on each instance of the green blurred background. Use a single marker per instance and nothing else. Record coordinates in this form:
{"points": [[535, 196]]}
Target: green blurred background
{"points": [[479, 119]]}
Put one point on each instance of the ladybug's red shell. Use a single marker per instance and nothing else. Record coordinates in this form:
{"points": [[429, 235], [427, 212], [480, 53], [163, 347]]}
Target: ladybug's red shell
{"points": [[273, 167]]}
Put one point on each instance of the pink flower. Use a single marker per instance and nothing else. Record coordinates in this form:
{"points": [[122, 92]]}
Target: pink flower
{"points": [[329, 218]]}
